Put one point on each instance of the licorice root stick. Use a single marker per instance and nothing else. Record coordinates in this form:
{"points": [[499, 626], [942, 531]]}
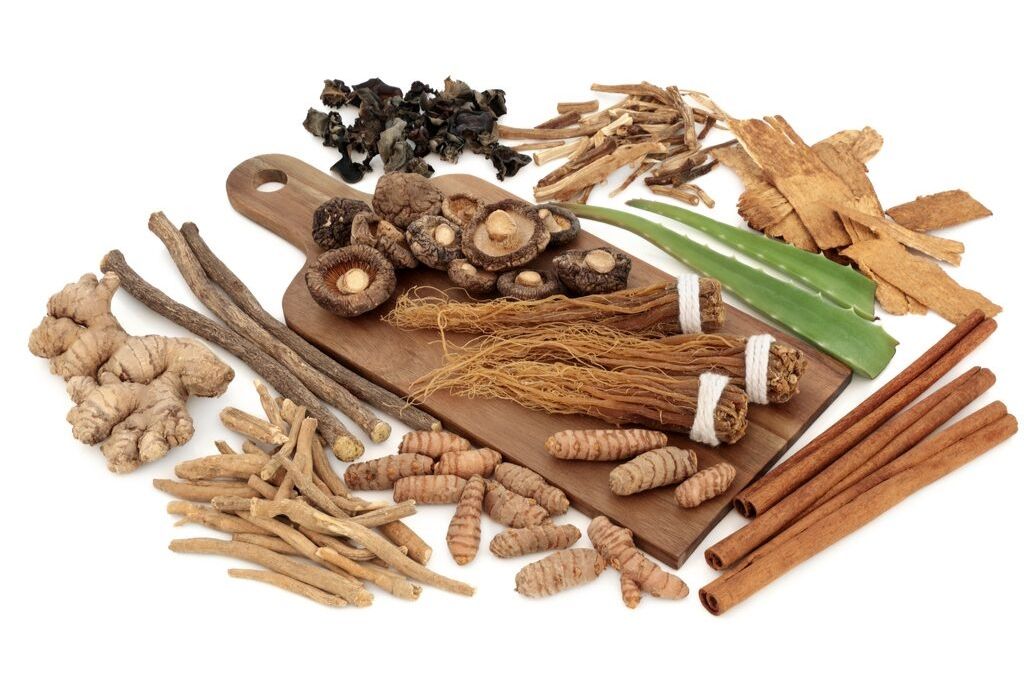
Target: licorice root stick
{"points": [[727, 591], [916, 423], [343, 443], [365, 390], [866, 417]]}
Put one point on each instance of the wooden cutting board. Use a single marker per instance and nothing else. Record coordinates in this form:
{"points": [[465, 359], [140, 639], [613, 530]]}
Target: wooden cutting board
{"points": [[394, 359]]}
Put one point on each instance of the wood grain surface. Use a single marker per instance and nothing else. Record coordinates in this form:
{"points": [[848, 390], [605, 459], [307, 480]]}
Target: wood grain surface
{"points": [[394, 359]]}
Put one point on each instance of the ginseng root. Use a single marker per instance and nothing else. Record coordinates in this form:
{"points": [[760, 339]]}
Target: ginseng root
{"points": [[382, 473], [616, 545], [512, 509], [660, 467], [433, 489], [560, 571], [706, 484], [522, 541], [613, 444], [466, 464], [464, 530], [529, 484]]}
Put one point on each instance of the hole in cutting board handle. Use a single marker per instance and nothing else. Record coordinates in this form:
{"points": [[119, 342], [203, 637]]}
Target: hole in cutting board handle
{"points": [[269, 180]]}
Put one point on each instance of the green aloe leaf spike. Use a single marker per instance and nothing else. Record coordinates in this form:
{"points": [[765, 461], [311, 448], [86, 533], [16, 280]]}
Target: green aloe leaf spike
{"points": [[836, 282], [863, 346]]}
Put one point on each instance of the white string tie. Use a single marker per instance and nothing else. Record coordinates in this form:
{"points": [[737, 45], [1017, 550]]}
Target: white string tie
{"points": [[709, 390], [757, 352], [688, 289]]}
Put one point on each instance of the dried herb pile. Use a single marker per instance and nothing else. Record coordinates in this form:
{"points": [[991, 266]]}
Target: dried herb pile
{"points": [[404, 127], [655, 131]]}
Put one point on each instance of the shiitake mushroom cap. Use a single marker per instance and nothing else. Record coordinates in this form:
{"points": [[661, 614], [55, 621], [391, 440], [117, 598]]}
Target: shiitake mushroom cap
{"points": [[402, 198], [332, 221], [504, 235], [350, 281], [461, 208], [435, 240], [594, 271], [562, 224], [476, 281], [528, 284], [368, 229]]}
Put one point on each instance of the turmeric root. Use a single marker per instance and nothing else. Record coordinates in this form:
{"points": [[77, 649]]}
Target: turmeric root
{"points": [[376, 475], [560, 571], [129, 392], [512, 509], [616, 545], [631, 594], [464, 530], [430, 489], [612, 444], [433, 443], [706, 484], [529, 484], [465, 464], [659, 467], [522, 541]]}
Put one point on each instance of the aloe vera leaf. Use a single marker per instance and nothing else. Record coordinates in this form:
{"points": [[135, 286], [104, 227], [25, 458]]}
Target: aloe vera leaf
{"points": [[841, 284], [861, 345]]}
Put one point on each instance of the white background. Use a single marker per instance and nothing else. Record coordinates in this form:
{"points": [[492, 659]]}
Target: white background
{"points": [[111, 113]]}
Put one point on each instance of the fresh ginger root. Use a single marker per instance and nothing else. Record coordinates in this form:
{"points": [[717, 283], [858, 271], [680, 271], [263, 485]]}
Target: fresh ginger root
{"points": [[464, 530], [529, 484], [129, 391], [560, 571], [616, 545]]}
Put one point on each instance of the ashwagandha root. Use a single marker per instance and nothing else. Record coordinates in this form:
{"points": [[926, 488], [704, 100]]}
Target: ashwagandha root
{"points": [[365, 390], [620, 397], [647, 310], [344, 445], [211, 518], [184, 490], [270, 542], [220, 466], [251, 427], [394, 584], [592, 345], [291, 585]]}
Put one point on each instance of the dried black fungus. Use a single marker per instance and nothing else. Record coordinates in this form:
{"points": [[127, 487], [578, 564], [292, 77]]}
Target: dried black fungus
{"points": [[403, 128]]}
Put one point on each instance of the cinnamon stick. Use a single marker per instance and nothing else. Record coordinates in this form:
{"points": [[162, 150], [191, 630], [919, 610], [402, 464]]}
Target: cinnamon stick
{"points": [[866, 417], [727, 591], [919, 420]]}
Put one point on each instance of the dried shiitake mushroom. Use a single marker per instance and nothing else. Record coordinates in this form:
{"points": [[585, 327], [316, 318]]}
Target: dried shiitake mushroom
{"points": [[504, 235], [350, 281], [470, 278], [594, 271], [402, 198], [435, 240], [528, 284], [461, 208], [332, 221], [562, 224], [368, 229]]}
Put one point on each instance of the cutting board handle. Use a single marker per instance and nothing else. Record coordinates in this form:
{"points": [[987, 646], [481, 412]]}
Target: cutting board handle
{"points": [[303, 189]]}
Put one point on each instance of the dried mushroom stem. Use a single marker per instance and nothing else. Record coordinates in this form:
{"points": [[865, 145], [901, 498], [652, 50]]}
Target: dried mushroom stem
{"points": [[217, 301]]}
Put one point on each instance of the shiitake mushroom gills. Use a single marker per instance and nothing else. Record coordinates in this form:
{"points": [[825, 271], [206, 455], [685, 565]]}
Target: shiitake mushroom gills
{"points": [[350, 281], [504, 235], [435, 241], [461, 208], [528, 284], [562, 224], [594, 271]]}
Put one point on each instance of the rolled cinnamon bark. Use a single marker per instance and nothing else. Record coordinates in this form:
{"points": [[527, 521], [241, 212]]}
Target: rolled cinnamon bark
{"points": [[919, 421], [866, 417], [726, 592]]}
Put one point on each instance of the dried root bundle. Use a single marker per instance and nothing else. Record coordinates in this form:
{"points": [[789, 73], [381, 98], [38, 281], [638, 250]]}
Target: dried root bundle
{"points": [[653, 309], [593, 345], [511, 509], [651, 399], [615, 544], [560, 571], [466, 464], [464, 530], [529, 484], [669, 465], [522, 541], [129, 392]]}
